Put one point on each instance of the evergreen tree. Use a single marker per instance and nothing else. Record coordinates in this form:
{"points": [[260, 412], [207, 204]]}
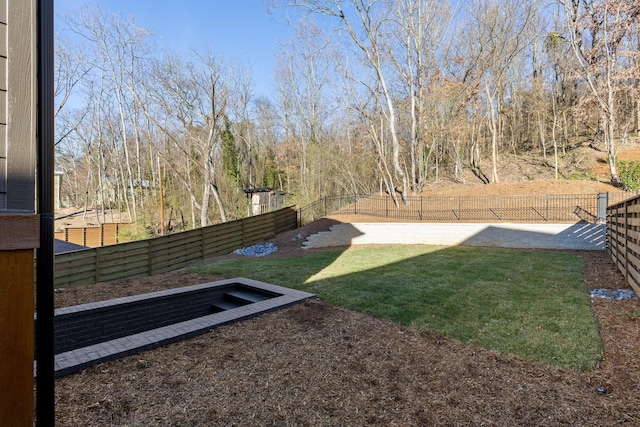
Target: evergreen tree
{"points": [[230, 153]]}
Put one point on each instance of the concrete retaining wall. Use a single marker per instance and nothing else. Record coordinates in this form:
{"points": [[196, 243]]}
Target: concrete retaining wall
{"points": [[581, 236]]}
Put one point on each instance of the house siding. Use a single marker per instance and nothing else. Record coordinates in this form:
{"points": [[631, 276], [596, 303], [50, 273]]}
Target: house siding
{"points": [[17, 106], [3, 106]]}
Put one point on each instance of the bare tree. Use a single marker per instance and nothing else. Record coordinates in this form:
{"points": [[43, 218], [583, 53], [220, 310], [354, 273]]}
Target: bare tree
{"points": [[498, 30], [416, 44], [304, 71], [192, 97], [363, 22], [596, 31], [118, 47], [269, 136], [70, 70]]}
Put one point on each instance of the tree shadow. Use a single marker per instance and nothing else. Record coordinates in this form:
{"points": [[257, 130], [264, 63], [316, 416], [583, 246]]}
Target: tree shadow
{"points": [[485, 286]]}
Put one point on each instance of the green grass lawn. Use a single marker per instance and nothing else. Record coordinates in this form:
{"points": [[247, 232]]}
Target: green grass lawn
{"points": [[532, 304]]}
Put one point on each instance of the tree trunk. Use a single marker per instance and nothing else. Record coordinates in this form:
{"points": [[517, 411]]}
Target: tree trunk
{"points": [[493, 127], [216, 196]]}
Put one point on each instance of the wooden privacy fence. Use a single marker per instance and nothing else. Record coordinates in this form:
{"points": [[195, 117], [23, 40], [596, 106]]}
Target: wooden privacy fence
{"points": [[163, 254], [623, 239], [93, 237]]}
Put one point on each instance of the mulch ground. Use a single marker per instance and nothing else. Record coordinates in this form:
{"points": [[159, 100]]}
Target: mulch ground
{"points": [[316, 364]]}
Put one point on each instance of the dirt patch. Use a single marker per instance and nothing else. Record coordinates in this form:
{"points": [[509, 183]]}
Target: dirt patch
{"points": [[600, 167], [539, 186], [317, 364], [518, 188]]}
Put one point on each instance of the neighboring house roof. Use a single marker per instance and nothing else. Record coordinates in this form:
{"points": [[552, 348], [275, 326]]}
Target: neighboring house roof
{"points": [[257, 190], [263, 190], [60, 246]]}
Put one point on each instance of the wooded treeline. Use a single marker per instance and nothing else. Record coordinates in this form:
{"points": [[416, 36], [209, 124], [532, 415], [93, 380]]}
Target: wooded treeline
{"points": [[369, 96]]}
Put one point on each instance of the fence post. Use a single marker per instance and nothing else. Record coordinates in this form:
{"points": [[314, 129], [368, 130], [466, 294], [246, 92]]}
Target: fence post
{"points": [[386, 206], [626, 242], [243, 224], [150, 256], [97, 267], [607, 245], [202, 243], [547, 207], [603, 202], [617, 235]]}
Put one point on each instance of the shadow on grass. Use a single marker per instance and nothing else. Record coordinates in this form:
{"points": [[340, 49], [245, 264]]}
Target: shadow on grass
{"points": [[532, 304]]}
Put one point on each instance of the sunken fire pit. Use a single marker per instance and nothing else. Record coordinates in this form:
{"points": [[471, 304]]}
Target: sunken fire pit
{"points": [[92, 333]]}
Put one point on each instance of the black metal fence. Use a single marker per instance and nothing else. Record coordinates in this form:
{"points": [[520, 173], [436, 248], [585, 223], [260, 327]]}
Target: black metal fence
{"points": [[328, 205], [496, 208]]}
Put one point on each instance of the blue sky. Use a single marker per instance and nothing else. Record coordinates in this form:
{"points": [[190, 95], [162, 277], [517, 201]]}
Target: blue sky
{"points": [[241, 30]]}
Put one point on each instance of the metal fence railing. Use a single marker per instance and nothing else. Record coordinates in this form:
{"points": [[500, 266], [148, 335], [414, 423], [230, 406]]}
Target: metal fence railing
{"points": [[328, 205], [499, 208]]}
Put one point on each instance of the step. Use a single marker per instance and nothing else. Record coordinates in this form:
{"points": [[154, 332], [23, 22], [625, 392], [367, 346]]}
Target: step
{"points": [[223, 306], [244, 297], [338, 235]]}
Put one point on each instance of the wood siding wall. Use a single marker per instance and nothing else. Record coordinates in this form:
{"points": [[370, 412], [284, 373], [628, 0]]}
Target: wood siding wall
{"points": [[623, 239], [167, 253], [3, 104], [19, 224], [17, 106]]}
